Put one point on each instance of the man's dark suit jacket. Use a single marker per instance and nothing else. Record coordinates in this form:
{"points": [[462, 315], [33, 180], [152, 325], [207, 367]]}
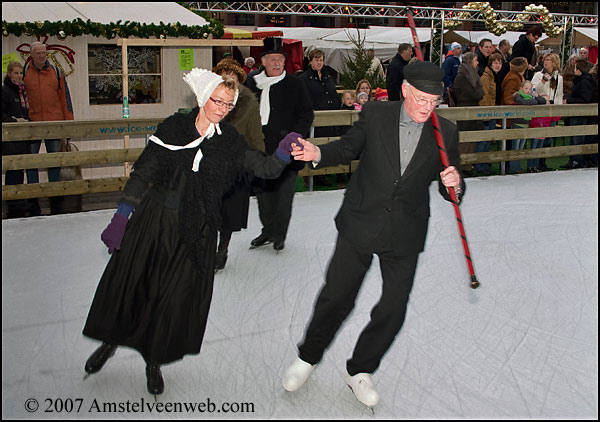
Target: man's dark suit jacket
{"points": [[377, 197]]}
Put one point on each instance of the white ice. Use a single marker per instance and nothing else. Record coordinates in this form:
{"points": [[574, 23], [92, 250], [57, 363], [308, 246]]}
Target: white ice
{"points": [[523, 345]]}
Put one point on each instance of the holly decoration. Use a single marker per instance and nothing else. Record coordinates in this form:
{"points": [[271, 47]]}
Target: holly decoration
{"points": [[127, 29]]}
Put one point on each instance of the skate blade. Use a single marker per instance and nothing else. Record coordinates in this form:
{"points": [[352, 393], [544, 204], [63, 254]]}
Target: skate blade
{"points": [[371, 408], [259, 246]]}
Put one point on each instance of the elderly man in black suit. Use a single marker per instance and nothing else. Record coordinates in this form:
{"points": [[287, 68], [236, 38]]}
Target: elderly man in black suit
{"points": [[385, 212], [285, 106]]}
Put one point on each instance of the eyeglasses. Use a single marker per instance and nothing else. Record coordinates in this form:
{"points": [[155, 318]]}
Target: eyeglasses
{"points": [[220, 103], [423, 102]]}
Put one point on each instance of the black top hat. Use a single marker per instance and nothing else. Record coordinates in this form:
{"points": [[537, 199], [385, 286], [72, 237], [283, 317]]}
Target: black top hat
{"points": [[273, 46]]}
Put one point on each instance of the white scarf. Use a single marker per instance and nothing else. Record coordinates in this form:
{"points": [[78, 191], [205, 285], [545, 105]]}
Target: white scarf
{"points": [[264, 82], [209, 133]]}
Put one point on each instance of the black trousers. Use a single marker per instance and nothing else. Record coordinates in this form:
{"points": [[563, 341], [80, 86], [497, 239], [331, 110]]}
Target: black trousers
{"points": [[275, 204], [336, 300]]}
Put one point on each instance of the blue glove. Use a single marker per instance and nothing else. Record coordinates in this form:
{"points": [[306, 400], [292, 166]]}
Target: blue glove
{"points": [[284, 150], [113, 235]]}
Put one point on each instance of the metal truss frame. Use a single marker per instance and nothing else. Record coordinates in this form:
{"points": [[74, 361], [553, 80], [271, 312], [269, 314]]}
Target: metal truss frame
{"points": [[358, 10]]}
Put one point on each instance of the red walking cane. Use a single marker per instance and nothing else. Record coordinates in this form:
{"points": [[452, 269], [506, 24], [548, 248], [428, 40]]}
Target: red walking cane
{"points": [[445, 163]]}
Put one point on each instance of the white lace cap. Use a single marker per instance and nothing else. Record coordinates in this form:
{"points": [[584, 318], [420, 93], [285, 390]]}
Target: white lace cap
{"points": [[203, 82]]}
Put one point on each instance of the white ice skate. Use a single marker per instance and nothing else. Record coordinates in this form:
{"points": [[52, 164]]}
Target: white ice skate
{"points": [[297, 374], [363, 388]]}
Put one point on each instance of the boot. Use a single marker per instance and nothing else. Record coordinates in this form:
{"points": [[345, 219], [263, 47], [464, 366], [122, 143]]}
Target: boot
{"points": [[97, 359], [297, 374], [278, 244], [221, 256], [155, 383], [363, 388], [261, 240]]}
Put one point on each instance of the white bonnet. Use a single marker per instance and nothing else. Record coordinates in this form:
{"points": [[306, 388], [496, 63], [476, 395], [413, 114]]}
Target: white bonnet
{"points": [[203, 82]]}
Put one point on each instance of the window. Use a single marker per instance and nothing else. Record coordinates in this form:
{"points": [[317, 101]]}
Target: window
{"points": [[104, 74]]}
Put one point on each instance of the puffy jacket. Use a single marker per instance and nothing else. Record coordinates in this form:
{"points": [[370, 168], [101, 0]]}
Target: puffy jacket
{"points": [[47, 93], [488, 83], [510, 85], [450, 67]]}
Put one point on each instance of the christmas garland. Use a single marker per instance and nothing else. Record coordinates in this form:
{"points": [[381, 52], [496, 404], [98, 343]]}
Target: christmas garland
{"points": [[127, 29], [497, 28]]}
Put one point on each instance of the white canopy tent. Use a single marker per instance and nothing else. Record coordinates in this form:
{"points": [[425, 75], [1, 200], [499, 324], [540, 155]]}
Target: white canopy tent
{"points": [[101, 12], [337, 44]]}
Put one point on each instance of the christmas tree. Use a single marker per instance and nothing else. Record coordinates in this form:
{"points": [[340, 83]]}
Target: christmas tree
{"points": [[357, 65]]}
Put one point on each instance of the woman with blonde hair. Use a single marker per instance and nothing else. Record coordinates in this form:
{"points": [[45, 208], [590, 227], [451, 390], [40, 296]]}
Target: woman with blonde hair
{"points": [[548, 83], [15, 108], [364, 86], [154, 295]]}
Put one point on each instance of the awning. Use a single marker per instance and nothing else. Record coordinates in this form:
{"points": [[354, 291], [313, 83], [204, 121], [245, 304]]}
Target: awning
{"points": [[237, 33], [586, 36]]}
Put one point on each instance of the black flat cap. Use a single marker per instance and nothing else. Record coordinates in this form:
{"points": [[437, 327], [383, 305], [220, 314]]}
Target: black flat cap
{"points": [[425, 76]]}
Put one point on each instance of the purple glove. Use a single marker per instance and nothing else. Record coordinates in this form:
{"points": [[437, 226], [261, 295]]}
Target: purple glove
{"points": [[114, 232], [284, 150]]}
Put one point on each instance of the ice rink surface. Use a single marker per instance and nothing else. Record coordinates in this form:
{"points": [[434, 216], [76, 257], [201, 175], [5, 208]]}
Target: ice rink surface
{"points": [[523, 345]]}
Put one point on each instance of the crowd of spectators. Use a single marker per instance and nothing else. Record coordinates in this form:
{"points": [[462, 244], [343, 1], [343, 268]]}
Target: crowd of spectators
{"points": [[484, 75]]}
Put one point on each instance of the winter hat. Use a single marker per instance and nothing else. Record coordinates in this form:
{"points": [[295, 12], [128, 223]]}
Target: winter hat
{"points": [[362, 94], [380, 94], [203, 82], [455, 45], [425, 76], [273, 45]]}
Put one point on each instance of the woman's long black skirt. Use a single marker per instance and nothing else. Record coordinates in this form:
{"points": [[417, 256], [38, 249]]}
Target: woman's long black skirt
{"points": [[151, 297]]}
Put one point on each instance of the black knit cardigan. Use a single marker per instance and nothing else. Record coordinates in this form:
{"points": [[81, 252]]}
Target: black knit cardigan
{"points": [[226, 157]]}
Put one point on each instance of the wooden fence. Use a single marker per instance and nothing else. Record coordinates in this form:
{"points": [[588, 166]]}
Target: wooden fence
{"points": [[115, 129]]}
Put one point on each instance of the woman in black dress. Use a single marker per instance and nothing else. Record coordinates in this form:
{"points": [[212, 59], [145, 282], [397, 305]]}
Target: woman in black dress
{"points": [[155, 293]]}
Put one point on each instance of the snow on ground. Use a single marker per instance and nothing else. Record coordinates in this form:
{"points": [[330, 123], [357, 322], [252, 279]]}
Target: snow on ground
{"points": [[523, 345]]}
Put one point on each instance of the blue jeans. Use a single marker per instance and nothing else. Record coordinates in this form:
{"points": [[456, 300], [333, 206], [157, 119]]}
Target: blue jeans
{"points": [[535, 143], [579, 139], [484, 147], [52, 145], [515, 166]]}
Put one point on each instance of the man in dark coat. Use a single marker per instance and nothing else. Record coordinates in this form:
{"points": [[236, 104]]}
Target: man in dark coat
{"points": [[385, 212], [395, 71], [484, 49], [525, 47], [582, 93], [285, 107]]}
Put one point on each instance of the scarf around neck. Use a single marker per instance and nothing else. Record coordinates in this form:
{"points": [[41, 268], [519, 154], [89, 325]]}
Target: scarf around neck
{"points": [[264, 82], [23, 98], [470, 73], [212, 128]]}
